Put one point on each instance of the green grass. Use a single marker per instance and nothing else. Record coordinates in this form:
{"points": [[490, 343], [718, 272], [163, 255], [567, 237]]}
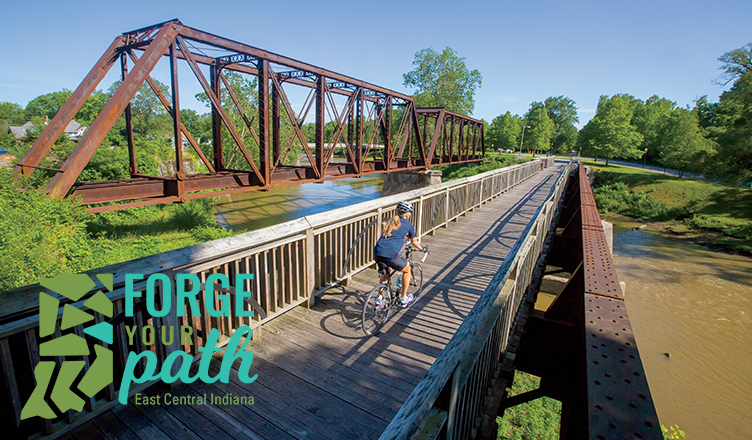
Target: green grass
{"points": [[721, 214], [118, 236], [491, 161], [537, 419]]}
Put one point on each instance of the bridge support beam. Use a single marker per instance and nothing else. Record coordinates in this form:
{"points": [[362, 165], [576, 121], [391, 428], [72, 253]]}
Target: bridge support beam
{"points": [[581, 344]]}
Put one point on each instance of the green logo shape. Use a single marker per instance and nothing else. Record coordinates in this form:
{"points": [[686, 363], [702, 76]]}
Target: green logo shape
{"points": [[99, 374]]}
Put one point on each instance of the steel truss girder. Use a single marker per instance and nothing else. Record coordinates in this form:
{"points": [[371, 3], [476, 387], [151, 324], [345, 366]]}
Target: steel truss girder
{"points": [[583, 347], [364, 122]]}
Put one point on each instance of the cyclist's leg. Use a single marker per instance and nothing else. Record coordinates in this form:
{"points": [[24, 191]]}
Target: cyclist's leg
{"points": [[406, 274], [383, 269], [399, 264]]}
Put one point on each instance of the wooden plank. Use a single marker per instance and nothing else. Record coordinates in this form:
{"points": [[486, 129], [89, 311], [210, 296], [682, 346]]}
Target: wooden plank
{"points": [[113, 428], [370, 398], [136, 422], [88, 431], [318, 410], [167, 423]]}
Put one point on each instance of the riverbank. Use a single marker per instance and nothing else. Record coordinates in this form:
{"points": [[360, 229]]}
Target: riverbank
{"points": [[492, 161], [701, 212]]}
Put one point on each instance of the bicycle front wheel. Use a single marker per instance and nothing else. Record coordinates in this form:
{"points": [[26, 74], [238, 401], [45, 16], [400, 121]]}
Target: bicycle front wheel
{"points": [[375, 311], [416, 282]]}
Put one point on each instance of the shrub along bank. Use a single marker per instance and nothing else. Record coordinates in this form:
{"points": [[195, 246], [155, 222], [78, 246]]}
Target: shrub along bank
{"points": [[706, 212], [41, 237]]}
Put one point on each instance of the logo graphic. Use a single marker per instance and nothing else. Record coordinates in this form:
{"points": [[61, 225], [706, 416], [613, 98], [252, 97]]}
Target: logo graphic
{"points": [[99, 374]]}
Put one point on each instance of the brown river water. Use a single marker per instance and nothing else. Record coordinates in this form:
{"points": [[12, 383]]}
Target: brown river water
{"points": [[691, 311], [690, 307], [259, 209]]}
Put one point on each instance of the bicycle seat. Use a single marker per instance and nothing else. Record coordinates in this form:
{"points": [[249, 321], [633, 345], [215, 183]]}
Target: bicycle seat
{"points": [[383, 268]]}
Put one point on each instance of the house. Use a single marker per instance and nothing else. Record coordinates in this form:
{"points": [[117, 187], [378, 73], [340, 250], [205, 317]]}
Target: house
{"points": [[74, 130], [20, 131]]}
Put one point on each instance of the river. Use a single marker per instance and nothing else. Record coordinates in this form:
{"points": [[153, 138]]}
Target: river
{"points": [[259, 209], [691, 311]]}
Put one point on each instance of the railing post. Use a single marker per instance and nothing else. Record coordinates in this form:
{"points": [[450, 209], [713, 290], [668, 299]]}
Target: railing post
{"points": [[310, 266], [419, 233], [467, 199], [379, 213], [171, 322], [446, 209], [453, 397]]}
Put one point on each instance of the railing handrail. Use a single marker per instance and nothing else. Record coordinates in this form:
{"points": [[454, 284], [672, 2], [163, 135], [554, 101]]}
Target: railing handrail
{"points": [[218, 248], [463, 348]]}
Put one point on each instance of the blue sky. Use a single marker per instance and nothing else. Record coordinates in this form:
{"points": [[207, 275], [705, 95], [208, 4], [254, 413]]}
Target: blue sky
{"points": [[526, 51]]}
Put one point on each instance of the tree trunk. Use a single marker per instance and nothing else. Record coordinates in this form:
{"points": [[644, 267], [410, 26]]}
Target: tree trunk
{"points": [[606, 160]]}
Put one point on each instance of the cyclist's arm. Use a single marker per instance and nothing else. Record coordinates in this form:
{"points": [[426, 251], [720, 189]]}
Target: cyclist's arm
{"points": [[416, 243]]}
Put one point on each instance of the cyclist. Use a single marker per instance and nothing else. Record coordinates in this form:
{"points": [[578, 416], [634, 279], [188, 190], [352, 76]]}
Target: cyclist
{"points": [[388, 250]]}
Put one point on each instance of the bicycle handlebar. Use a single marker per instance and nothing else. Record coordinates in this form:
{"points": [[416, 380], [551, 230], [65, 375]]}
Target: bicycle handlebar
{"points": [[425, 254]]}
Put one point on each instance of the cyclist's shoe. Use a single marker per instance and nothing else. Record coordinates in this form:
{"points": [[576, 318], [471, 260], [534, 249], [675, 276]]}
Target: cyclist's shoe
{"points": [[379, 303], [406, 301]]}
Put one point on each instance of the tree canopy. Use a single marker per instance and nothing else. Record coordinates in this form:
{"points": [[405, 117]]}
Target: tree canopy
{"points": [[683, 147], [443, 80], [611, 133], [736, 63], [504, 131], [538, 136]]}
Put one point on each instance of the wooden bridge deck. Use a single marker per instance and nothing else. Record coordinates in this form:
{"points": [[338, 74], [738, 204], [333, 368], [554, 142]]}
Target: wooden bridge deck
{"points": [[318, 376]]}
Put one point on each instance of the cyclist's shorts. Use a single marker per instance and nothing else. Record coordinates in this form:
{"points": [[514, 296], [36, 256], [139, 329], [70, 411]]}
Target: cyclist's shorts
{"points": [[397, 264]]}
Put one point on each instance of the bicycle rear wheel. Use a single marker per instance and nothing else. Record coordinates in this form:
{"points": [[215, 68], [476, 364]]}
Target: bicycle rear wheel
{"points": [[416, 282], [375, 315]]}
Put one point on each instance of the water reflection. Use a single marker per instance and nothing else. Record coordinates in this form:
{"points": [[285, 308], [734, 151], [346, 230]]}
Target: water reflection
{"points": [[695, 305], [259, 209]]}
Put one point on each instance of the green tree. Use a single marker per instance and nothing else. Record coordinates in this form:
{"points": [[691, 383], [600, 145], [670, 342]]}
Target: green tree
{"points": [[611, 134], [92, 106], [504, 131], [150, 117], [683, 145], [443, 80], [563, 113], [732, 130], [649, 118], [538, 136], [11, 114], [735, 63], [47, 104]]}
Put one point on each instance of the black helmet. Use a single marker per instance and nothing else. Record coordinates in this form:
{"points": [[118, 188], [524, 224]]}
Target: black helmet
{"points": [[403, 207]]}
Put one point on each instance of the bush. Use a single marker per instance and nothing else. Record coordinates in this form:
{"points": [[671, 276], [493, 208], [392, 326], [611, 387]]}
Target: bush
{"points": [[39, 236], [209, 233], [194, 214], [618, 198]]}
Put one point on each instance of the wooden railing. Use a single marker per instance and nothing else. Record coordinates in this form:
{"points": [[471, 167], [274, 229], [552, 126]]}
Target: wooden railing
{"points": [[291, 263], [448, 401]]}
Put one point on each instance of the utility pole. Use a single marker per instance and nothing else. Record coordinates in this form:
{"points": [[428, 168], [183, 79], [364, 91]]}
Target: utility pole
{"points": [[644, 157]]}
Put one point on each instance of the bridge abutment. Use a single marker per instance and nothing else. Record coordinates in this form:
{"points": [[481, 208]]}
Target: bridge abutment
{"points": [[403, 181]]}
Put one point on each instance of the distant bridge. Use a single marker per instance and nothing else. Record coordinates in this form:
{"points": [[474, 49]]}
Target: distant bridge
{"points": [[438, 370], [363, 114]]}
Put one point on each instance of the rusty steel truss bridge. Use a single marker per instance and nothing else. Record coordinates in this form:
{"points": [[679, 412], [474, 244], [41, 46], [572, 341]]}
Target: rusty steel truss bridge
{"points": [[364, 115]]}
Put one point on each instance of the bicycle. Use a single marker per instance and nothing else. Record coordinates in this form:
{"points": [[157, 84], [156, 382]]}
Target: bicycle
{"points": [[375, 315]]}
